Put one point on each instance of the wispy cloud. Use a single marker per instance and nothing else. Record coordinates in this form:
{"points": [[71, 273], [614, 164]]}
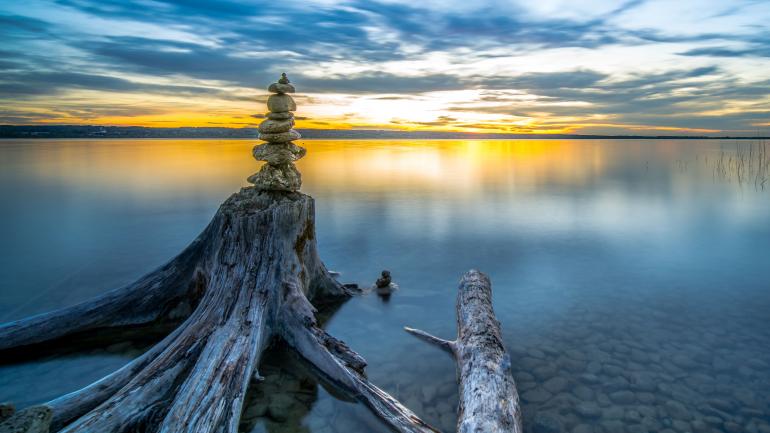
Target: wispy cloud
{"points": [[546, 66]]}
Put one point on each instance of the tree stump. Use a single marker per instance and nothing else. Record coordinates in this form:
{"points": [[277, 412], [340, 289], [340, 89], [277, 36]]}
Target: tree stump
{"points": [[248, 278]]}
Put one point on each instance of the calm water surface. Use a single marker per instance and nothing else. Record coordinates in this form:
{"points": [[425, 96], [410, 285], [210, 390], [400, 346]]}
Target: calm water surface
{"points": [[631, 278]]}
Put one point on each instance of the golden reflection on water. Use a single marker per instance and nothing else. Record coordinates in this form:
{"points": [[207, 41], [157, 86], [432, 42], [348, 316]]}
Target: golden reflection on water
{"points": [[149, 165], [461, 165]]}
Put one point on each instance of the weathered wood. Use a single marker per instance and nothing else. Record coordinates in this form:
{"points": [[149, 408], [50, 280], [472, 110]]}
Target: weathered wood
{"points": [[341, 365], [489, 402], [248, 277], [164, 295]]}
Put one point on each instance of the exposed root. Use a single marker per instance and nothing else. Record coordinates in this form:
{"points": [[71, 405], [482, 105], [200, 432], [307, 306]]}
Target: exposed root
{"points": [[248, 277]]}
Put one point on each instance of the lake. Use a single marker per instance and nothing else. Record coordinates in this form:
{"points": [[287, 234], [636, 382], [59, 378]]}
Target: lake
{"points": [[631, 277]]}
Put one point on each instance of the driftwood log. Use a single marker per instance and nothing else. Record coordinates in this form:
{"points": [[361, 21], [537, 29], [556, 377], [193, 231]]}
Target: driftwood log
{"points": [[489, 402], [249, 277]]}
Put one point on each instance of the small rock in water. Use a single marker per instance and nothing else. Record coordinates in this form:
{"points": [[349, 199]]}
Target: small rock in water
{"points": [[385, 286], [623, 397], [537, 395], [384, 281], [35, 419], [677, 410], [6, 410], [555, 384], [588, 410], [547, 423]]}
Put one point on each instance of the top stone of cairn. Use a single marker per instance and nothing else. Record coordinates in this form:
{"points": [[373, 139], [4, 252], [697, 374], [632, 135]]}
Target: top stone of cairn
{"points": [[282, 86]]}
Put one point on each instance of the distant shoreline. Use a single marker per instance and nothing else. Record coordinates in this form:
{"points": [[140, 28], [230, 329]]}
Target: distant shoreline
{"points": [[89, 131]]}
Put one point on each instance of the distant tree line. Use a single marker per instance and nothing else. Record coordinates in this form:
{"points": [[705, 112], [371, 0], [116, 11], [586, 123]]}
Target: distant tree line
{"points": [[95, 131]]}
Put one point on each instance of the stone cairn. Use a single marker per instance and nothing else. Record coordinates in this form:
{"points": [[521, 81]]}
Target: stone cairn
{"points": [[279, 174]]}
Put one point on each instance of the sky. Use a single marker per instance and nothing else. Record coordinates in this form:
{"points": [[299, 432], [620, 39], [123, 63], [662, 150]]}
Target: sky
{"points": [[658, 67]]}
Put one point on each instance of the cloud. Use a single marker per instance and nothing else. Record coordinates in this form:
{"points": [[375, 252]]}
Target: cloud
{"points": [[30, 83], [454, 63], [758, 50], [380, 83]]}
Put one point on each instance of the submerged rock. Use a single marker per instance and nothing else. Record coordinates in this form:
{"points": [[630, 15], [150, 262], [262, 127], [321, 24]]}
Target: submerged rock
{"points": [[35, 419], [547, 423], [6, 410], [384, 281]]}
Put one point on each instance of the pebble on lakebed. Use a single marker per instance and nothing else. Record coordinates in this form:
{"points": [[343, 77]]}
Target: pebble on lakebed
{"points": [[589, 374]]}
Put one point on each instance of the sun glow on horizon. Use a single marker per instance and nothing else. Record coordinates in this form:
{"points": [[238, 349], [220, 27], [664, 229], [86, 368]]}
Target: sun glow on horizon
{"points": [[554, 67]]}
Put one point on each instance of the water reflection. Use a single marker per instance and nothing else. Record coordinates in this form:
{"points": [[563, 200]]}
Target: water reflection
{"points": [[630, 277]]}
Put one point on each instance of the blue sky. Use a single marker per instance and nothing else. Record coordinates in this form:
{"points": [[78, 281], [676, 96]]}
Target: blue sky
{"points": [[636, 66]]}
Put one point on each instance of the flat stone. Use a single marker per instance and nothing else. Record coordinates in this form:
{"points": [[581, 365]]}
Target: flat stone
{"points": [[588, 410], [6, 410], [613, 412], [589, 378], [583, 392], [683, 361], [284, 177], [270, 126], [745, 396], [583, 428], [280, 88], [645, 397], [280, 115], [35, 419], [428, 392], [721, 404], [637, 428], [612, 426], [680, 426], [643, 382], [280, 137], [544, 372], [633, 416], [256, 409], [677, 410], [623, 397], [547, 423], [524, 376], [281, 102], [278, 153], [555, 384], [536, 395], [526, 385]]}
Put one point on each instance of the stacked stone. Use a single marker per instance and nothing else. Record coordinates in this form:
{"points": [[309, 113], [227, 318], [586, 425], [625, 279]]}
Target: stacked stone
{"points": [[279, 174]]}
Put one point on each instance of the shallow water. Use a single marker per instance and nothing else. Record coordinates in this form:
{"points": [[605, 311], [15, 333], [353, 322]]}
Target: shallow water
{"points": [[631, 277]]}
